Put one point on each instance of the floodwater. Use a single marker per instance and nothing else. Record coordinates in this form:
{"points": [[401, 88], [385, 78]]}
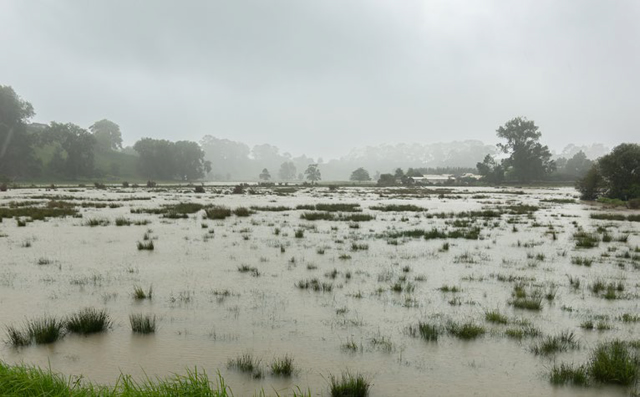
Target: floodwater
{"points": [[209, 312]]}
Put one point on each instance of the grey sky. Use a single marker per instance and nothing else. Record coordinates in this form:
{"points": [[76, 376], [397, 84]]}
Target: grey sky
{"points": [[320, 77]]}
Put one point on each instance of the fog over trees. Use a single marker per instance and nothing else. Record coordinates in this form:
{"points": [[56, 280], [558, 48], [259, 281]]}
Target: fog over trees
{"points": [[64, 150]]}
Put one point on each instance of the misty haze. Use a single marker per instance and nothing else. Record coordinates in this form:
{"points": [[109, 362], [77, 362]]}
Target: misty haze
{"points": [[319, 198]]}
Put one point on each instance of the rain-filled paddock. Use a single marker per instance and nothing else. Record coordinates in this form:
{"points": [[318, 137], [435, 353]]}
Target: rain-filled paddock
{"points": [[451, 290]]}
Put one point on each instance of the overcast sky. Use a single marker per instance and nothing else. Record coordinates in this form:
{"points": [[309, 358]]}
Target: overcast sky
{"points": [[320, 77]]}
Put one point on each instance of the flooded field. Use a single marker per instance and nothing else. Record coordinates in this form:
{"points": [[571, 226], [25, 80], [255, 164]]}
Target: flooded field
{"points": [[462, 291]]}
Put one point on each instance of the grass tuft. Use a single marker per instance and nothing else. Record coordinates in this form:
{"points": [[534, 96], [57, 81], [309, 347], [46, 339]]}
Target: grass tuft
{"points": [[282, 366], [614, 363], [349, 385], [88, 321], [142, 324], [466, 331]]}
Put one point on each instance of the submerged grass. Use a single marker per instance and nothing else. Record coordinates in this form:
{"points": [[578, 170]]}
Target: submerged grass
{"points": [[282, 366], [349, 385], [88, 321], [466, 331], [553, 344], [142, 324], [246, 363]]}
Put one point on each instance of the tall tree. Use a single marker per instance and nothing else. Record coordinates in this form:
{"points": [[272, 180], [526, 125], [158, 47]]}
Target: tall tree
{"points": [[228, 158], [491, 170], [189, 161], [528, 159], [162, 159], [16, 153], [287, 171], [265, 175], [107, 134], [313, 173], [620, 171], [360, 175], [74, 155]]}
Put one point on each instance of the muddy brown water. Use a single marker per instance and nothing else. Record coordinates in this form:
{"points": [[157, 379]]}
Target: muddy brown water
{"points": [[268, 316]]}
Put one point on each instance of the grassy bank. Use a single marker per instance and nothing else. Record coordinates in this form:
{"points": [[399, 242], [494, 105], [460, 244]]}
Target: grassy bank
{"points": [[25, 381]]}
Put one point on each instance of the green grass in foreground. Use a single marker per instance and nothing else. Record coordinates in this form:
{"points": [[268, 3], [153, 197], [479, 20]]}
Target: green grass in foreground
{"points": [[27, 381]]}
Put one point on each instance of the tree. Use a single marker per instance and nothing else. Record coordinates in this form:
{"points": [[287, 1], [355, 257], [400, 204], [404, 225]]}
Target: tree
{"points": [[264, 175], [578, 165], [490, 170], [387, 180], [620, 171], [591, 184], [528, 159], [287, 171], [312, 173], [162, 159], [228, 158], [189, 161], [107, 134], [16, 152], [360, 175], [74, 149]]}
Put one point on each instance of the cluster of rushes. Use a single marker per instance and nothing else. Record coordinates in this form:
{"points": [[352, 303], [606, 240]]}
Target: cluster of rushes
{"points": [[49, 329]]}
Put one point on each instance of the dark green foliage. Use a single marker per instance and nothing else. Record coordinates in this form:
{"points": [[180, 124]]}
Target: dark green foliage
{"points": [[349, 385], [162, 159], [360, 175], [74, 150], [18, 157], [312, 173], [528, 160], [491, 170], [88, 321], [620, 171]]}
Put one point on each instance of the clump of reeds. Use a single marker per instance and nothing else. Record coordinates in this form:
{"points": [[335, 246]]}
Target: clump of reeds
{"points": [[466, 331], [349, 385], [146, 245], [139, 293], [426, 331], [495, 317], [246, 363], [88, 321], [142, 324], [558, 343], [282, 366]]}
